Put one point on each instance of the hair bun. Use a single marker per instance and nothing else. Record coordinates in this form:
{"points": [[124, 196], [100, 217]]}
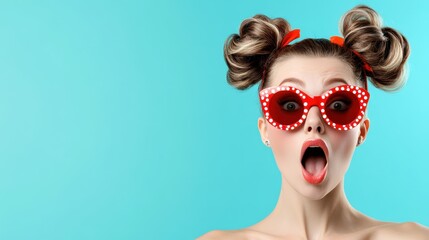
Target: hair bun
{"points": [[246, 53], [385, 49]]}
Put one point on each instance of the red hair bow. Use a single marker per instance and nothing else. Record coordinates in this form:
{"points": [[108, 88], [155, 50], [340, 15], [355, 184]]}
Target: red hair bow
{"points": [[340, 42], [289, 37]]}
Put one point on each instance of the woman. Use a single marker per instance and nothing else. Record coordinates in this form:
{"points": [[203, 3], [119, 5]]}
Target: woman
{"points": [[313, 97]]}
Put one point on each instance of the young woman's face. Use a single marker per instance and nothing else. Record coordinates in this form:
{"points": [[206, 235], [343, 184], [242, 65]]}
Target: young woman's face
{"points": [[314, 76]]}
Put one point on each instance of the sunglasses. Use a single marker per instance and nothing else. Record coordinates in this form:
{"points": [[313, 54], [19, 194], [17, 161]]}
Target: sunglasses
{"points": [[341, 107]]}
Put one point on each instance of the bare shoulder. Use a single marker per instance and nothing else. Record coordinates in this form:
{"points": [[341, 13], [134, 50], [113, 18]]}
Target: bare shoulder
{"points": [[219, 234], [407, 230], [243, 234], [215, 234]]}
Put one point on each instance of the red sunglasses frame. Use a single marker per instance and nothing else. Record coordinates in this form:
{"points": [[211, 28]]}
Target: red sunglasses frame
{"points": [[265, 95]]}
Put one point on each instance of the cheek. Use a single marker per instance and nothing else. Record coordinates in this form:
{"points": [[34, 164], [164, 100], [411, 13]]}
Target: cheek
{"points": [[284, 144], [343, 145]]}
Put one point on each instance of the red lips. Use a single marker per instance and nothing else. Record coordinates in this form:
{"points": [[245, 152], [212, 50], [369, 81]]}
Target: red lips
{"points": [[320, 176]]}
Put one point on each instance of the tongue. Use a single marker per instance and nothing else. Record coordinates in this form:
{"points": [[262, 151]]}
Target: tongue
{"points": [[315, 165]]}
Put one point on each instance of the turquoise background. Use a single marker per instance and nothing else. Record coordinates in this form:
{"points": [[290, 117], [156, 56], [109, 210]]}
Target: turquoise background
{"points": [[117, 121]]}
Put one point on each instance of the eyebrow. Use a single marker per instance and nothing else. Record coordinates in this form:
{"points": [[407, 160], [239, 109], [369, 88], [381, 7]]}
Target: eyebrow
{"points": [[335, 80], [302, 83], [293, 80]]}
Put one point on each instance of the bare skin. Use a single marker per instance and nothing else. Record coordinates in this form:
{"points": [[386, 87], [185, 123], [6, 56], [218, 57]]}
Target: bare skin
{"points": [[335, 219], [391, 231], [310, 211]]}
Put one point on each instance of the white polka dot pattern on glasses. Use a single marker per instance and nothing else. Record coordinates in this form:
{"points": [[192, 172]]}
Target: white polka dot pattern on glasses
{"points": [[361, 94]]}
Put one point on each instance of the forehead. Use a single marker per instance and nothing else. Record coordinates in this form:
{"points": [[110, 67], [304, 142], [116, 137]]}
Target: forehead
{"points": [[312, 73]]}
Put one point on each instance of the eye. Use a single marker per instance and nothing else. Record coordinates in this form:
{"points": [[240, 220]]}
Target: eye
{"points": [[291, 106], [339, 105]]}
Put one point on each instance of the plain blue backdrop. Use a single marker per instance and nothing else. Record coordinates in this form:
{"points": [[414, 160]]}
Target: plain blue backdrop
{"points": [[116, 120]]}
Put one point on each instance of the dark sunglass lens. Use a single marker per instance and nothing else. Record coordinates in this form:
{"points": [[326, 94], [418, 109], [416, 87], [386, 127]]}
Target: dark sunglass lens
{"points": [[286, 107], [342, 107]]}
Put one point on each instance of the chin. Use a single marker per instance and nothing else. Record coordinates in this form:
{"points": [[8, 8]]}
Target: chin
{"points": [[314, 192]]}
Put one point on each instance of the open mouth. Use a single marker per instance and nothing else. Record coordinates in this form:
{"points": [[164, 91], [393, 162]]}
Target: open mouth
{"points": [[314, 161]]}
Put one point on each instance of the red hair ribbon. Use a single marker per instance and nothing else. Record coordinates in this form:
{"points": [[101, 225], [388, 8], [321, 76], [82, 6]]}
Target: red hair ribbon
{"points": [[340, 42], [289, 37]]}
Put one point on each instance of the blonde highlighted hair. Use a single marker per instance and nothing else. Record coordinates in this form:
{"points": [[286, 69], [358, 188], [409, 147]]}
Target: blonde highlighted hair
{"points": [[257, 47]]}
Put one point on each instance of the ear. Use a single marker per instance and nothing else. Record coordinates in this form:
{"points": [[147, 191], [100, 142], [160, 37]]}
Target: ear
{"points": [[364, 127], [262, 126]]}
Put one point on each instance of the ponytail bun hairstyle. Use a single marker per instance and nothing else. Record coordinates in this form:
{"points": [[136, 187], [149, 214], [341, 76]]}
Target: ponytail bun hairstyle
{"points": [[257, 48], [384, 49], [247, 52]]}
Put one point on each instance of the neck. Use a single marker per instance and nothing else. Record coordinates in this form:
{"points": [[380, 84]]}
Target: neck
{"points": [[298, 215]]}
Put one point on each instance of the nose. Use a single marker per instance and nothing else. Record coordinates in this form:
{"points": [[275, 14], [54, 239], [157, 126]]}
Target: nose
{"points": [[314, 121]]}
